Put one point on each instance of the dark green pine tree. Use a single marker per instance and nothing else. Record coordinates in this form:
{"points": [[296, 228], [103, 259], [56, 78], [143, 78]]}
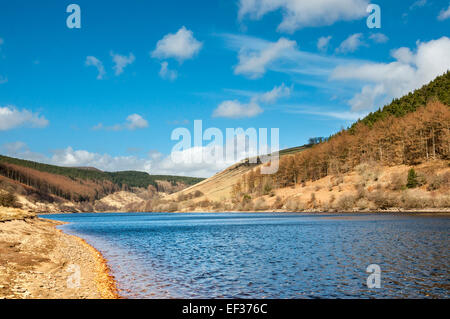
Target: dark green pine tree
{"points": [[412, 179]]}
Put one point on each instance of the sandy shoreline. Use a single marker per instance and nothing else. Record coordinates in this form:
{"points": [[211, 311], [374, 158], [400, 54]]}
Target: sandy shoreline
{"points": [[40, 261]]}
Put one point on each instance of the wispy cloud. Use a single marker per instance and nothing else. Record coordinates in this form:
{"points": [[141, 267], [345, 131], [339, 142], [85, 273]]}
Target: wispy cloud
{"points": [[379, 38], [254, 63], [167, 73], [323, 43], [236, 109], [325, 112], [418, 4], [121, 61], [93, 61], [444, 14], [132, 122], [351, 44]]}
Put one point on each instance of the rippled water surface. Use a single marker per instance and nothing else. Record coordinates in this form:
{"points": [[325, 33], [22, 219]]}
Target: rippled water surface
{"points": [[265, 255]]}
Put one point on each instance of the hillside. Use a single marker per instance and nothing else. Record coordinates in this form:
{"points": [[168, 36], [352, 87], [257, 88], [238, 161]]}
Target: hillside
{"points": [[79, 188], [369, 163]]}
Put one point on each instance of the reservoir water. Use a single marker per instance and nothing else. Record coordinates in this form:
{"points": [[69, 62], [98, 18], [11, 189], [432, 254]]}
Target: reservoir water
{"points": [[270, 255]]}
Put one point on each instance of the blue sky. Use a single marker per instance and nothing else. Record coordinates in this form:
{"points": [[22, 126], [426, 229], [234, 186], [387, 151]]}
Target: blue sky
{"points": [[110, 93]]}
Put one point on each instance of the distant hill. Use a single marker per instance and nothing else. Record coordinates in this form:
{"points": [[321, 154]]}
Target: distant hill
{"points": [[81, 184]]}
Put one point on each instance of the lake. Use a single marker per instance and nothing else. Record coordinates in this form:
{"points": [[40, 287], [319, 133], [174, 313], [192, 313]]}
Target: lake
{"points": [[269, 255]]}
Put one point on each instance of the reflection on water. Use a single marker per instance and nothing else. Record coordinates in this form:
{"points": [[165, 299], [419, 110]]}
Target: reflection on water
{"points": [[265, 255]]}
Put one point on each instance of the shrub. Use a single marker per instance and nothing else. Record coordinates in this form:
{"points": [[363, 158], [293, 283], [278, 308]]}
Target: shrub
{"points": [[278, 204], [383, 200], [198, 193], [438, 181], [293, 205], [443, 201], [9, 200], [397, 181], [173, 207], [332, 198], [410, 200], [362, 203], [368, 171], [360, 191], [338, 180], [346, 202], [204, 203], [267, 188], [100, 206], [312, 200], [246, 198], [260, 204]]}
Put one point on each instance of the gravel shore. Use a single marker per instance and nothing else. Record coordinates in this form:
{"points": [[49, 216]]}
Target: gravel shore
{"points": [[40, 261]]}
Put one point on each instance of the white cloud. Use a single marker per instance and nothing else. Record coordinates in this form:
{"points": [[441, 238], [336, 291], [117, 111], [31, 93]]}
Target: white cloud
{"points": [[93, 61], [11, 117], [121, 61], [133, 122], [351, 44], [167, 73], [418, 4], [181, 46], [2, 41], [379, 38], [3, 79], [299, 14], [276, 93], [444, 14], [323, 43], [253, 63], [236, 109], [409, 71]]}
